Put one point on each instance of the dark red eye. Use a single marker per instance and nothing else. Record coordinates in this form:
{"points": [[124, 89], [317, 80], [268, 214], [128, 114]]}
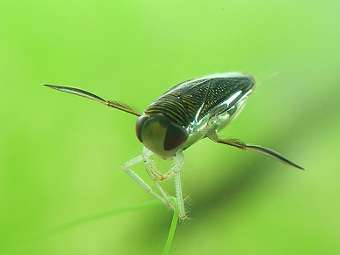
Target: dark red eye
{"points": [[175, 136], [139, 125]]}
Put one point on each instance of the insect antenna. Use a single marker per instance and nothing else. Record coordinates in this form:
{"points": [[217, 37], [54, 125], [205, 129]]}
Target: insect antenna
{"points": [[91, 96]]}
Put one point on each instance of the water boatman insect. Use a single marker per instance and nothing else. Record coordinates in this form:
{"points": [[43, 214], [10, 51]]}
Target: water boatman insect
{"points": [[190, 111]]}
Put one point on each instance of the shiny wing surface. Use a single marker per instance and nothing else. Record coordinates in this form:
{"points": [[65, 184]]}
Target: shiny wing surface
{"points": [[190, 101]]}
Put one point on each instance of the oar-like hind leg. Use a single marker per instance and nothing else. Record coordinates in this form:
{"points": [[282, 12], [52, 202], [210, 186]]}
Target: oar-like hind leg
{"points": [[91, 96], [252, 147]]}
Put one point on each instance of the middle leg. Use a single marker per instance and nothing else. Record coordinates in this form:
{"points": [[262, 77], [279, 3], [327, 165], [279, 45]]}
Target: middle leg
{"points": [[127, 168], [152, 169], [179, 160]]}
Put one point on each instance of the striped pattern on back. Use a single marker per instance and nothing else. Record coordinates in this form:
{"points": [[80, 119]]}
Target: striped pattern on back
{"points": [[194, 99]]}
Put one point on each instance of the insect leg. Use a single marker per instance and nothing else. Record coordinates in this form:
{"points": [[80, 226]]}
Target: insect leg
{"points": [[179, 160], [152, 170], [127, 168], [252, 147], [91, 96]]}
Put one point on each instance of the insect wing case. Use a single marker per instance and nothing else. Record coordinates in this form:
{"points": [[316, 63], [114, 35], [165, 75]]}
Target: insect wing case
{"points": [[204, 104]]}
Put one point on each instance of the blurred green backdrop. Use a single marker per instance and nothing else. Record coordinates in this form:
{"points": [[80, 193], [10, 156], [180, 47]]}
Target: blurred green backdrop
{"points": [[60, 156]]}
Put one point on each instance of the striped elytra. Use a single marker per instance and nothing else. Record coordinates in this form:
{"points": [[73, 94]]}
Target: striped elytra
{"points": [[192, 100]]}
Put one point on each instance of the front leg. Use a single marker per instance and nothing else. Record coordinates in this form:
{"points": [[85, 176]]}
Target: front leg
{"points": [[152, 170], [252, 147]]}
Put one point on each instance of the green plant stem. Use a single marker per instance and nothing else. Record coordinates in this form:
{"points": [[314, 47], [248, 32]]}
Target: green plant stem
{"points": [[171, 234]]}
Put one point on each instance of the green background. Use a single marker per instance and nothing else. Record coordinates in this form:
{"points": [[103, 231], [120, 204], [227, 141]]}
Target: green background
{"points": [[61, 156]]}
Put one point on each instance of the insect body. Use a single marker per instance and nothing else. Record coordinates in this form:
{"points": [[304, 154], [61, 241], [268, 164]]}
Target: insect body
{"points": [[191, 111], [186, 113]]}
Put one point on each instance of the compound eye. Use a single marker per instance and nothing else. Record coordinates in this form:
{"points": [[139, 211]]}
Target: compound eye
{"points": [[139, 127], [174, 137]]}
